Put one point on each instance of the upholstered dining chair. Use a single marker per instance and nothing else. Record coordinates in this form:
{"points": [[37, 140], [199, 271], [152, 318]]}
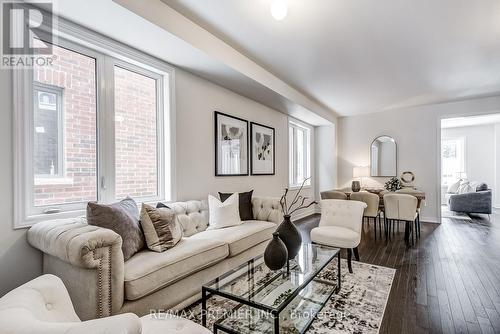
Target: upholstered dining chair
{"points": [[333, 194], [43, 306], [340, 226], [400, 208], [372, 211]]}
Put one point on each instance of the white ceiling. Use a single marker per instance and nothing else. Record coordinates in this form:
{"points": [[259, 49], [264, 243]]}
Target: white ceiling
{"points": [[470, 121], [358, 56]]}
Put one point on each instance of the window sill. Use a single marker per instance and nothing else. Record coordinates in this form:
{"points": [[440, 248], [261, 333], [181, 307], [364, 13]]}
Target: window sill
{"points": [[29, 221], [293, 188], [47, 181]]}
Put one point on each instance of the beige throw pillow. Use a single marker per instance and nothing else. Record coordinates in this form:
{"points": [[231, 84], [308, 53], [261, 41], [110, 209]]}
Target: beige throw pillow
{"points": [[161, 229]]}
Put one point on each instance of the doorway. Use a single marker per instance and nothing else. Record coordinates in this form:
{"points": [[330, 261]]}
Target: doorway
{"points": [[470, 165]]}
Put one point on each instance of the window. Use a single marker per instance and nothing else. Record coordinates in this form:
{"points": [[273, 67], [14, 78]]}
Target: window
{"points": [[299, 154], [98, 128], [452, 160]]}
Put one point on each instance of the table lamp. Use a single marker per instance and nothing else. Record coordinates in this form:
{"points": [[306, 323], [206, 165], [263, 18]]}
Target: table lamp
{"points": [[359, 172]]}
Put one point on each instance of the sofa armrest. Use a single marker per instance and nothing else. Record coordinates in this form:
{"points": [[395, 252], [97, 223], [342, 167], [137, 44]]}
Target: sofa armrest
{"points": [[475, 202], [88, 259], [73, 241], [267, 209]]}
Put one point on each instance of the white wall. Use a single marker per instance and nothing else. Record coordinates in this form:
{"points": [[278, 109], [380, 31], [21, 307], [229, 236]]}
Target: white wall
{"points": [[416, 131], [18, 261], [196, 100], [479, 152], [326, 159]]}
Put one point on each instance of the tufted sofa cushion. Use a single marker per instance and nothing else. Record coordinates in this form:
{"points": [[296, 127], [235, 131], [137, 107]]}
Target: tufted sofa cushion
{"points": [[192, 215], [267, 209]]}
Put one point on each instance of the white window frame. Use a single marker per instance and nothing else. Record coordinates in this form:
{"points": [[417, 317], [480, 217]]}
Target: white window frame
{"points": [[108, 54], [293, 125]]}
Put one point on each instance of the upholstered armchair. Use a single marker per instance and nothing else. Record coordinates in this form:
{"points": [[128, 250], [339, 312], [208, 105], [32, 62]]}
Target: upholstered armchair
{"points": [[43, 306], [340, 226]]}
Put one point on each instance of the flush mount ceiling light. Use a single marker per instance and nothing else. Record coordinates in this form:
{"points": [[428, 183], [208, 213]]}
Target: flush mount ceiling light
{"points": [[279, 9]]}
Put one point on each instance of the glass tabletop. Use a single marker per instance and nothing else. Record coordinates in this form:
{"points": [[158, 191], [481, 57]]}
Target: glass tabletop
{"points": [[254, 284]]}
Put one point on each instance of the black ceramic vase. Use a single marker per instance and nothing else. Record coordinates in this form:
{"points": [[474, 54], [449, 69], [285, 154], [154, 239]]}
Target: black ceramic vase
{"points": [[290, 236], [275, 255]]}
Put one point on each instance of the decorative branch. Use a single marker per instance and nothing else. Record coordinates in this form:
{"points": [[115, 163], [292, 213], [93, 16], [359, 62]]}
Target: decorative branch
{"points": [[304, 207], [298, 192]]}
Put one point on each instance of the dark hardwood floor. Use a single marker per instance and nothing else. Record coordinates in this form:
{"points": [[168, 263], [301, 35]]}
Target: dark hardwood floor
{"points": [[449, 282]]}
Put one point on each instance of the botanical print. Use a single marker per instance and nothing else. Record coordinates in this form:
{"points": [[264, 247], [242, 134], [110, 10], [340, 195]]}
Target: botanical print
{"points": [[231, 145], [262, 149]]}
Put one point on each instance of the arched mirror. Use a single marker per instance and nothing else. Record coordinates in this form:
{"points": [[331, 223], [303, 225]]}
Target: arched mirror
{"points": [[383, 161]]}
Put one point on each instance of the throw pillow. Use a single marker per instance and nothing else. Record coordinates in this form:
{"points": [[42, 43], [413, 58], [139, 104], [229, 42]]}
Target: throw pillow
{"points": [[122, 218], [245, 203], [453, 188], [223, 214], [465, 188], [161, 205], [161, 229]]}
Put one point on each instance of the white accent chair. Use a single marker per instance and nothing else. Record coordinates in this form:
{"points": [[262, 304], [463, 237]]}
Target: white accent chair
{"points": [[43, 306], [398, 208], [340, 226]]}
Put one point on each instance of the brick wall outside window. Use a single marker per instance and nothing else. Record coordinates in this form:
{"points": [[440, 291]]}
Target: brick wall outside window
{"points": [[75, 73], [135, 134]]}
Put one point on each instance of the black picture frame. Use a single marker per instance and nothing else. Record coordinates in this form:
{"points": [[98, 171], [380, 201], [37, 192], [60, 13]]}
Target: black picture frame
{"points": [[252, 148], [218, 114]]}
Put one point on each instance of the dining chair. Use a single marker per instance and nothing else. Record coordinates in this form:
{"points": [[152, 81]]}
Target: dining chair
{"points": [[372, 211], [333, 194], [340, 226], [400, 208]]}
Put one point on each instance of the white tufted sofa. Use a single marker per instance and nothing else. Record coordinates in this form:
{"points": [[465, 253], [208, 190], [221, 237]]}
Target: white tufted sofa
{"points": [[90, 262], [43, 306]]}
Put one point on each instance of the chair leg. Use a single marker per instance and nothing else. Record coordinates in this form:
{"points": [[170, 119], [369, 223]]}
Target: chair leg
{"points": [[375, 227], [349, 259], [379, 226], [356, 253], [418, 220]]}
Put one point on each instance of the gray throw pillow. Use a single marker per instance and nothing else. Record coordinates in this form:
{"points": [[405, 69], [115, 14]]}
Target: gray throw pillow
{"points": [[161, 230], [122, 218]]}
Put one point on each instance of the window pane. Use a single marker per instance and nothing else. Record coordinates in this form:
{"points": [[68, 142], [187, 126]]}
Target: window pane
{"points": [[135, 134], [48, 145], [64, 151], [300, 156]]}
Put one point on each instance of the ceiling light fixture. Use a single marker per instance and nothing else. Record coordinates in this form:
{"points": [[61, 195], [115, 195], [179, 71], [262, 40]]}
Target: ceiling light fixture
{"points": [[279, 9]]}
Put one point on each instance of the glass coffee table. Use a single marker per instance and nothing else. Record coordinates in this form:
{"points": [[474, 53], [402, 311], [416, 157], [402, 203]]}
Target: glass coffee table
{"points": [[282, 301]]}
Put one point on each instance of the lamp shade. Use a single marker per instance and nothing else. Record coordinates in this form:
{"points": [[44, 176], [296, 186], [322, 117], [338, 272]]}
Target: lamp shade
{"points": [[359, 171]]}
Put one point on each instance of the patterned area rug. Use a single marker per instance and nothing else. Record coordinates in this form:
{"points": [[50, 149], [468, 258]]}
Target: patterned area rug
{"points": [[358, 308]]}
